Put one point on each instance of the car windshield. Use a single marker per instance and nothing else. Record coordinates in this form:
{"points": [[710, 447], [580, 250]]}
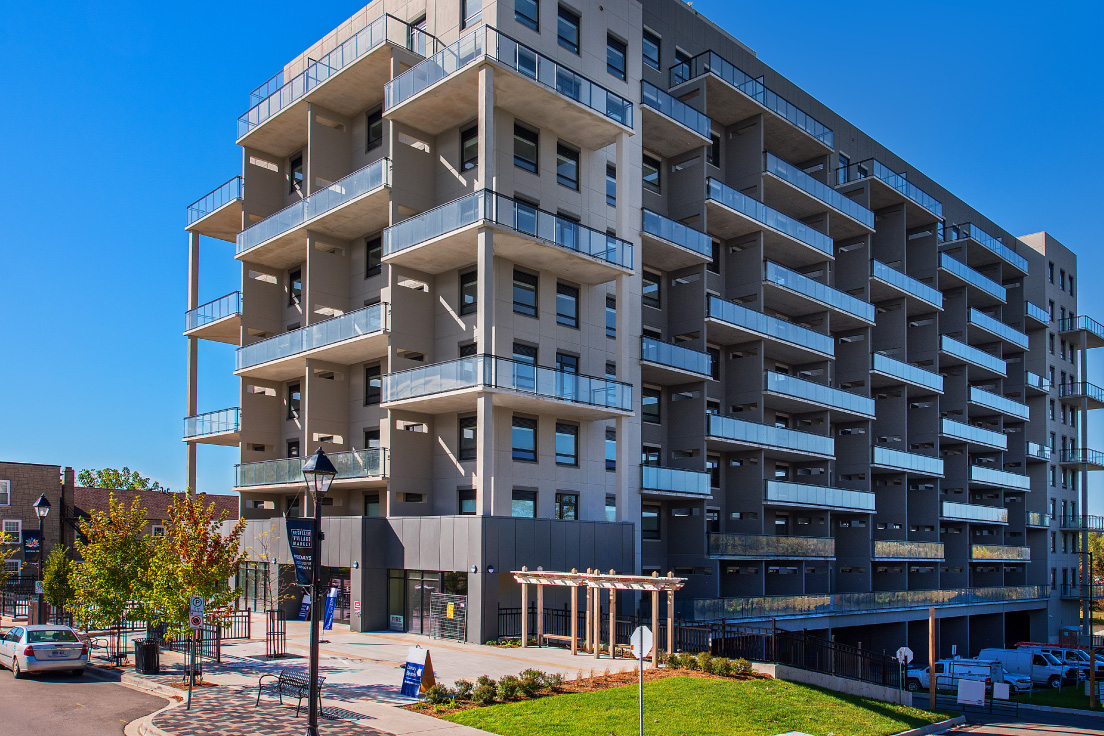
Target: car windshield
{"points": [[1051, 659], [50, 636]]}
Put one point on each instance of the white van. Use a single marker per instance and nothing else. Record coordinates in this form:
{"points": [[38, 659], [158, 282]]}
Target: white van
{"points": [[1071, 656], [949, 671], [1042, 668]]}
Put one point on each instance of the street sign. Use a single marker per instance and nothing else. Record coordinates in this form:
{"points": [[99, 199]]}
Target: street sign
{"points": [[904, 655], [641, 642], [39, 587], [196, 622], [356, 605], [196, 606]]}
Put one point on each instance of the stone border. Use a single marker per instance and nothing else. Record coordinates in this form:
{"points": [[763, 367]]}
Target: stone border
{"points": [[934, 727]]}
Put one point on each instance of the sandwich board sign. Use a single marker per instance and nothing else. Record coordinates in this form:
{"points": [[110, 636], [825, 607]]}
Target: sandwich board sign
{"points": [[971, 692], [418, 673]]}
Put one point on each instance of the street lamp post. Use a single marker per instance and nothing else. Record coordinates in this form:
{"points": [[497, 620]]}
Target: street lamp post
{"points": [[42, 510], [318, 474]]}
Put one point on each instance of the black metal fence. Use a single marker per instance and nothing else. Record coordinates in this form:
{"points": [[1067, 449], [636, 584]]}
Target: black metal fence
{"points": [[235, 626], [207, 640], [15, 605], [275, 634], [688, 636]]}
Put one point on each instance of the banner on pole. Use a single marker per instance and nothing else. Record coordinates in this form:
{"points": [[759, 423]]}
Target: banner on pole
{"points": [[331, 604], [32, 545], [304, 608], [302, 547]]}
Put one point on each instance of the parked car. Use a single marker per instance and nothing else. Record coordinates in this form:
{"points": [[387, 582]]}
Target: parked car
{"points": [[1071, 656], [1042, 668], [949, 671], [1019, 683], [43, 648]]}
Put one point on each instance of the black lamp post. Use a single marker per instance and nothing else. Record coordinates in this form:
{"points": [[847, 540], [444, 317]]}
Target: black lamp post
{"points": [[42, 510], [318, 474]]}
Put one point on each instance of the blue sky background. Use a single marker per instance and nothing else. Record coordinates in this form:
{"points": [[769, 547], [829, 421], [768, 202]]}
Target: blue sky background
{"points": [[118, 115]]}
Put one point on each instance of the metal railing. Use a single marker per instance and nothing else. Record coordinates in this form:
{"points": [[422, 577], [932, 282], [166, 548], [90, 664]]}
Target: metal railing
{"points": [[999, 553], [970, 354], [768, 217], [653, 97], [373, 319], [906, 283], [974, 512], [907, 372], [804, 494], [766, 546], [832, 298], [213, 422], [1034, 518], [1001, 478], [768, 435], [1035, 381], [909, 462], [675, 356], [817, 393], [682, 235], [1081, 521], [969, 433], [1037, 313], [872, 167], [1038, 451], [674, 480], [349, 463], [213, 311], [899, 549], [972, 277], [998, 328], [1078, 389], [771, 328], [1003, 404], [221, 196], [975, 233], [1072, 324], [789, 173], [1079, 455]]}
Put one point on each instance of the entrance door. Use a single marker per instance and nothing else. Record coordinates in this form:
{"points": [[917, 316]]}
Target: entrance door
{"points": [[419, 587]]}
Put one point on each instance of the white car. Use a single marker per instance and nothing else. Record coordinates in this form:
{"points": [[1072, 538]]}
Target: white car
{"points": [[42, 648]]}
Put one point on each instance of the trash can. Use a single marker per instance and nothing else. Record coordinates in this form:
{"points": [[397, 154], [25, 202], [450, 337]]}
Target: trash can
{"points": [[147, 657]]}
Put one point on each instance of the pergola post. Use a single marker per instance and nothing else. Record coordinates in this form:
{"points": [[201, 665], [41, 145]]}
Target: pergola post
{"points": [[655, 627], [613, 623], [524, 614], [574, 620], [670, 619], [597, 622], [540, 614], [589, 622]]}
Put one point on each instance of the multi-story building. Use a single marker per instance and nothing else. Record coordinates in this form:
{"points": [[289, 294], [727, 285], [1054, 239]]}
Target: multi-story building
{"points": [[582, 285], [21, 485]]}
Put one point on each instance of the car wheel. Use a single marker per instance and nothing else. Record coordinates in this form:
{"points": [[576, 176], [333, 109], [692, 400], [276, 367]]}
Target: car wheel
{"points": [[1055, 681], [16, 672], [913, 685]]}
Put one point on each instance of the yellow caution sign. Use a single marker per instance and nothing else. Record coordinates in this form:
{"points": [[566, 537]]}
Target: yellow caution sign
{"points": [[450, 610]]}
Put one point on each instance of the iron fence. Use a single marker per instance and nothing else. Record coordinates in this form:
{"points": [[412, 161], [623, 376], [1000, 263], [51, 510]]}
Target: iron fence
{"points": [[15, 605], [275, 634], [207, 640], [234, 626], [448, 616], [688, 636]]}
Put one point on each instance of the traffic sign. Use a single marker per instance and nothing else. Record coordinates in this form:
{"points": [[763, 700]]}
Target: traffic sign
{"points": [[196, 605], [641, 642], [904, 655], [196, 622]]}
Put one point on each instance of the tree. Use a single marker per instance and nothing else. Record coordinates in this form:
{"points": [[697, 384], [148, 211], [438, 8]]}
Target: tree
{"points": [[122, 480], [8, 547], [56, 578], [1096, 576]]}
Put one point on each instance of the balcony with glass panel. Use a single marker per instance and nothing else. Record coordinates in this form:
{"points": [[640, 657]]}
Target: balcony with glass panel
{"points": [[899, 461], [1083, 591], [734, 96], [727, 433], [222, 427], [953, 273], [1071, 327], [770, 547], [953, 431], [985, 476], [445, 238], [355, 468], [350, 207], [1035, 382], [1036, 316], [670, 245], [1092, 459], [982, 249], [897, 549], [731, 214], [435, 94], [353, 337], [1074, 392], [888, 188], [1081, 522], [782, 493], [346, 80], [953, 352], [452, 386], [887, 371], [218, 214], [983, 328], [790, 292], [1039, 452], [218, 320], [729, 323], [675, 482], [1036, 520], [983, 400], [974, 513], [793, 394], [668, 363], [998, 553], [800, 195], [887, 282], [671, 127]]}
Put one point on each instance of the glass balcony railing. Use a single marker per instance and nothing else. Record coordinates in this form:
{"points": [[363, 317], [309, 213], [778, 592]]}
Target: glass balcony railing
{"points": [[488, 42], [1037, 451], [972, 231], [1081, 522], [999, 403], [822, 293], [1035, 381], [493, 372], [907, 284], [791, 174], [710, 63], [1037, 313], [970, 354], [809, 495], [900, 182], [998, 328], [675, 356], [213, 422], [817, 393], [205, 314], [1081, 388], [350, 464], [369, 320], [907, 372], [486, 206], [1034, 518], [909, 462], [769, 327], [770, 547], [1072, 324], [975, 512], [674, 108], [969, 433], [674, 480], [998, 553], [373, 176], [1083, 591], [767, 217], [663, 228], [220, 197], [972, 277], [764, 435], [1081, 455], [895, 549], [1001, 478]]}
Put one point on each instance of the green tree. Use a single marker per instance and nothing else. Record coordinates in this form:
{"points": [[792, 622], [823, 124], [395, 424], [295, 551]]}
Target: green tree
{"points": [[122, 480], [56, 578], [9, 545], [1096, 576]]}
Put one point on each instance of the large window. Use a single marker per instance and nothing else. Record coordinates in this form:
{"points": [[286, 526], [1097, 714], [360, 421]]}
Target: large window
{"points": [[467, 502], [525, 361], [294, 400], [611, 185], [611, 316], [649, 521], [524, 439], [650, 405], [651, 290], [371, 504], [527, 12], [567, 363], [567, 305], [372, 439], [567, 506], [651, 169], [611, 507], [469, 148], [650, 49], [611, 449], [373, 384], [525, 293], [615, 56], [525, 148], [649, 456], [469, 292], [471, 12], [567, 444], [567, 166], [5, 493], [375, 130], [373, 257], [524, 504], [469, 443], [713, 153], [567, 30], [295, 286], [295, 174]]}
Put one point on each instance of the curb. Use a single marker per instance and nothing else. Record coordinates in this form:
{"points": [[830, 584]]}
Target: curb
{"points": [[1064, 711], [934, 727]]}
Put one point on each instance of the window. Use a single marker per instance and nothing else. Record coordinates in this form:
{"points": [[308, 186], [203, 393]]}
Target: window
{"points": [[615, 56], [12, 526], [524, 439], [567, 30], [1062, 279], [416, 36], [611, 316], [650, 455], [295, 174], [567, 506], [5, 493], [467, 502], [294, 399], [1050, 272], [611, 185], [295, 286], [525, 148], [527, 13], [567, 166], [567, 444], [468, 441], [372, 504], [157, 530], [524, 504], [375, 130], [468, 349], [1050, 343], [373, 384], [611, 507], [371, 439], [373, 257], [650, 289], [611, 449], [649, 49], [841, 172], [293, 448], [12, 567], [567, 363], [469, 292], [471, 12], [649, 521], [525, 293], [713, 155], [469, 148], [1071, 285], [567, 305], [651, 174], [714, 265], [649, 405]]}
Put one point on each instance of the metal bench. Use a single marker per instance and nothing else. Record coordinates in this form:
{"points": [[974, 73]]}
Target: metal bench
{"points": [[291, 683]]}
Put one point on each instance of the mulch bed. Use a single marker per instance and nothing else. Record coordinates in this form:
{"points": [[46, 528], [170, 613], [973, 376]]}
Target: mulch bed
{"points": [[198, 683]]}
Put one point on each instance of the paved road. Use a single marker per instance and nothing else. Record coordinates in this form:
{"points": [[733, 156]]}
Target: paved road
{"points": [[66, 706], [1027, 723]]}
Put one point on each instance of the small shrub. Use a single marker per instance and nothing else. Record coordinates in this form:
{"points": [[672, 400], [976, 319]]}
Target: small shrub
{"points": [[529, 685], [540, 677], [720, 666], [704, 660], [690, 662], [438, 694], [464, 689], [483, 694], [508, 688], [554, 681], [484, 680], [674, 661], [741, 667]]}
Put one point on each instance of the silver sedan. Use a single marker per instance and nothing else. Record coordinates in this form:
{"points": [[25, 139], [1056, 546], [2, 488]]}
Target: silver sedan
{"points": [[42, 648]]}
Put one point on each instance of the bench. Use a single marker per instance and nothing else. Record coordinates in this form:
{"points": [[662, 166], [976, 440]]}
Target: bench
{"points": [[559, 639], [291, 683]]}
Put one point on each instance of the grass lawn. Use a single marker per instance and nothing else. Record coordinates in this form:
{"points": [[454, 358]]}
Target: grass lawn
{"points": [[1069, 697], [695, 706]]}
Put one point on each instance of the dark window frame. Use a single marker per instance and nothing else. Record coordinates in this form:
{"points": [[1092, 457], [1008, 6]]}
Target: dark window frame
{"points": [[567, 430], [611, 185], [465, 452], [648, 163], [374, 135], [469, 279], [467, 18], [571, 293], [295, 286], [524, 454], [295, 165], [567, 505], [565, 154], [651, 530], [647, 415], [373, 265], [523, 496], [616, 46], [523, 134], [654, 39], [467, 495], [373, 395], [656, 302], [571, 19], [468, 135], [531, 22], [533, 288], [294, 400]]}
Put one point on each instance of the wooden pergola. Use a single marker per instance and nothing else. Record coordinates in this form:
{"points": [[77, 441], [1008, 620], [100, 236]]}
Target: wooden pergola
{"points": [[595, 582]]}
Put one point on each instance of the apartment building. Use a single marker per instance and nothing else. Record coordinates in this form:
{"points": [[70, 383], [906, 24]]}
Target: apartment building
{"points": [[21, 485], [581, 285]]}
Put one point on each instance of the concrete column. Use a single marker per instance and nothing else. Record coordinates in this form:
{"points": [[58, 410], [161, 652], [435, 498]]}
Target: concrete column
{"points": [[486, 178], [484, 332], [193, 353], [1083, 504]]}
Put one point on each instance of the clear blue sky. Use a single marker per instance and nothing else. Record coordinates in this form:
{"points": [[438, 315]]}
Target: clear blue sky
{"points": [[120, 114]]}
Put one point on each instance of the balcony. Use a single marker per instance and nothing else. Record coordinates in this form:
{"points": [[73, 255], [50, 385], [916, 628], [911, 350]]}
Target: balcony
{"points": [[889, 188], [667, 363], [1093, 330], [221, 427], [953, 352], [1035, 382], [887, 371], [954, 273], [974, 513], [1036, 314], [985, 476], [728, 433], [998, 553], [889, 283], [999, 404], [346, 80], [351, 338], [793, 394], [952, 430], [354, 468], [731, 323], [1035, 519], [780, 493], [734, 96], [899, 461], [983, 328], [444, 239], [453, 386], [793, 293], [218, 214], [350, 207], [1091, 459], [982, 248], [671, 127], [1035, 451], [731, 214], [218, 320], [894, 549], [670, 245], [1091, 393], [433, 95], [1081, 523], [1083, 591], [799, 194], [768, 547], [677, 482]]}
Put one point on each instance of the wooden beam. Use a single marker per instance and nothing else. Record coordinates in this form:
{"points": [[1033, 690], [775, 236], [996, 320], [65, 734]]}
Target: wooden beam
{"points": [[574, 620], [655, 628], [540, 615], [589, 622], [670, 622], [524, 614], [613, 624], [597, 621]]}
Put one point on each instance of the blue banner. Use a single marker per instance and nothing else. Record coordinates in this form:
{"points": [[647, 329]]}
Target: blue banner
{"points": [[331, 604], [299, 539], [412, 679], [304, 609], [32, 545]]}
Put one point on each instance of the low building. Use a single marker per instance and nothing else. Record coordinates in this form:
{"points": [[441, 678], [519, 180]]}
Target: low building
{"points": [[156, 504], [21, 484]]}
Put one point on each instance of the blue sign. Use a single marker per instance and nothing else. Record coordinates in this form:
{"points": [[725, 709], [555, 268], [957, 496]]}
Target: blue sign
{"points": [[32, 545], [299, 533], [415, 669], [331, 604], [304, 609]]}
